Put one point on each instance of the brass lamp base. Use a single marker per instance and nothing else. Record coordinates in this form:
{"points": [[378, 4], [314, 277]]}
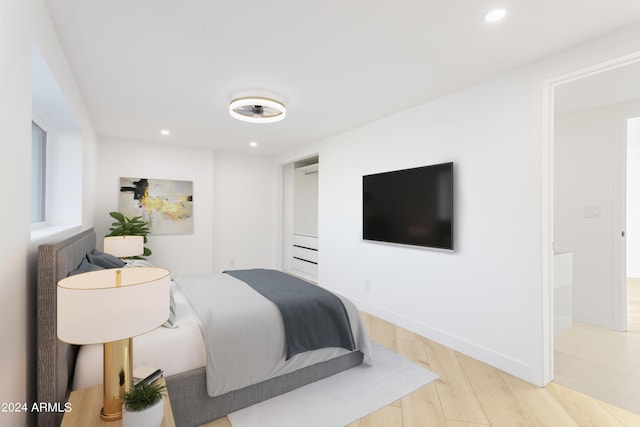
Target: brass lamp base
{"points": [[110, 417], [118, 377]]}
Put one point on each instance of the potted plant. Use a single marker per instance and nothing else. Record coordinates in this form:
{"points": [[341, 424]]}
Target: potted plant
{"points": [[129, 226], [143, 405]]}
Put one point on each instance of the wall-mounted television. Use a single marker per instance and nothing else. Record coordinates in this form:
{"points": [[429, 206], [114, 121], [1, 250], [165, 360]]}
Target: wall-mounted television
{"points": [[410, 206]]}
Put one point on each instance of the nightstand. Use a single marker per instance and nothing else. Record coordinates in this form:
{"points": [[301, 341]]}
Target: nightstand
{"points": [[86, 404]]}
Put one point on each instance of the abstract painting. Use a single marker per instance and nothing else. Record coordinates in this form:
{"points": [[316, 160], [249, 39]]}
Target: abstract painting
{"points": [[166, 204]]}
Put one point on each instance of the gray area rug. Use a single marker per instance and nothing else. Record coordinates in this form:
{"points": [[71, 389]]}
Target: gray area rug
{"points": [[342, 398]]}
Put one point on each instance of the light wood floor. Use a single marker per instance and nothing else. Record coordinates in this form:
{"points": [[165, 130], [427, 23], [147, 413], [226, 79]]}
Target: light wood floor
{"points": [[601, 362], [633, 305], [472, 394]]}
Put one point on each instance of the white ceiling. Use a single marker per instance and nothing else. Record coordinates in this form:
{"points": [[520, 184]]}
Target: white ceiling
{"points": [[144, 65]]}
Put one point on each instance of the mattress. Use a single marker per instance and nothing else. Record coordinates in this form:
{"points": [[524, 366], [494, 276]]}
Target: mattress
{"points": [[174, 350]]}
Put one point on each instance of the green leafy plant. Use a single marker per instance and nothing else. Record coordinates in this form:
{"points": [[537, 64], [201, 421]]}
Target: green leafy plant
{"points": [[143, 396], [129, 226]]}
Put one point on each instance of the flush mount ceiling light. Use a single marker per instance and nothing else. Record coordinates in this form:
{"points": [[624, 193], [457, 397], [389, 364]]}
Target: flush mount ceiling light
{"points": [[257, 110]]}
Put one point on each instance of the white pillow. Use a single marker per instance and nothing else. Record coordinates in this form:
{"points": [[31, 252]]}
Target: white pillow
{"points": [[138, 263]]}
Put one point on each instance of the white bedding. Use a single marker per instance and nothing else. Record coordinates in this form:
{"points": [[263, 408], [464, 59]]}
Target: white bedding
{"points": [[173, 350], [241, 361]]}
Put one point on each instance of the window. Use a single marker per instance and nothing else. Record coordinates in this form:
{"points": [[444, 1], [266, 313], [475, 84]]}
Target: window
{"points": [[38, 173], [57, 155]]}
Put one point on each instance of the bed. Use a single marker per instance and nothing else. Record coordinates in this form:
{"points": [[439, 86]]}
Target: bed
{"points": [[188, 383]]}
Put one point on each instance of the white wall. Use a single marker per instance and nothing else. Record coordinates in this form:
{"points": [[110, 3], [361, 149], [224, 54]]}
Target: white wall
{"points": [[184, 253], [15, 153], [21, 23], [245, 221], [491, 298], [585, 179], [233, 201], [481, 298]]}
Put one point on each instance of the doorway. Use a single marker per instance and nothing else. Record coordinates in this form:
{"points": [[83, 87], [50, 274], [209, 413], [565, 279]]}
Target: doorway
{"points": [[592, 120], [632, 136]]}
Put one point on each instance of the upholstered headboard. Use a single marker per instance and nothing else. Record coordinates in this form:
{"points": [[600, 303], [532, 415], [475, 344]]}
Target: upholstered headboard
{"points": [[56, 360]]}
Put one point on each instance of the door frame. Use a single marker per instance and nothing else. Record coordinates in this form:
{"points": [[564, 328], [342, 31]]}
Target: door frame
{"points": [[621, 203], [548, 140]]}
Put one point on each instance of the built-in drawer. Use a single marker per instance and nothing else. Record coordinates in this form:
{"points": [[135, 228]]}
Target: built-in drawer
{"points": [[310, 242], [305, 254], [305, 267]]}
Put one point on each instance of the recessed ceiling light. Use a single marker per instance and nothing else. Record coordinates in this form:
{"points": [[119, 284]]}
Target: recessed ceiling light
{"points": [[257, 110], [253, 144], [495, 15], [164, 132]]}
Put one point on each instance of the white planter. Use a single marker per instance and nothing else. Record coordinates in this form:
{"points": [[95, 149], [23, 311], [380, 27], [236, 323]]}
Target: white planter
{"points": [[150, 417]]}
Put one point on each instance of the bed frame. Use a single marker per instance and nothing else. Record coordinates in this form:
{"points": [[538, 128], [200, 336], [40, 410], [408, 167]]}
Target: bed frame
{"points": [[190, 403]]}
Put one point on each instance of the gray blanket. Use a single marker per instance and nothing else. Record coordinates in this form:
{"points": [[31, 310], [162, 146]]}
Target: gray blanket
{"points": [[244, 334], [313, 317]]}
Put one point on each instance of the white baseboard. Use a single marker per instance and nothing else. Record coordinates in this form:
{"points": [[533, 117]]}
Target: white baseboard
{"points": [[521, 369], [594, 320]]}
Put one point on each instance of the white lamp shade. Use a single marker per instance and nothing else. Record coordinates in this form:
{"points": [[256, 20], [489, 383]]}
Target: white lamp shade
{"points": [[124, 246], [92, 310]]}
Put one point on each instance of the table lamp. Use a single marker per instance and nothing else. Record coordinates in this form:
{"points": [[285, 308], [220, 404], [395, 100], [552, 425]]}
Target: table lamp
{"points": [[110, 307], [124, 246]]}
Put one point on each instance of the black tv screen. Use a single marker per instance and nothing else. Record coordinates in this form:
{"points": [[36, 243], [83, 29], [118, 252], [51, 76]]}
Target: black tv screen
{"points": [[410, 206]]}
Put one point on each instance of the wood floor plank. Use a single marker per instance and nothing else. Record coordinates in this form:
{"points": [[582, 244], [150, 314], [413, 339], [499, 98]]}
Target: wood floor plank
{"points": [[366, 319], [388, 416], [626, 418], [220, 422], [499, 403], [457, 397], [451, 423], [422, 408], [413, 348], [539, 404], [384, 332], [584, 410], [633, 305], [600, 363]]}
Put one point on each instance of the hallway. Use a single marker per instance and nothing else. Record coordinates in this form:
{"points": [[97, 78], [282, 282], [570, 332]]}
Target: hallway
{"points": [[603, 363]]}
